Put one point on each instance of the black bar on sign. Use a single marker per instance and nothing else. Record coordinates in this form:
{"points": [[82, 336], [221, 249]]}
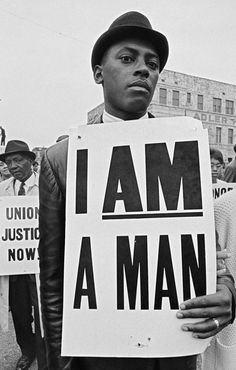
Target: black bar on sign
{"points": [[153, 215], [81, 181]]}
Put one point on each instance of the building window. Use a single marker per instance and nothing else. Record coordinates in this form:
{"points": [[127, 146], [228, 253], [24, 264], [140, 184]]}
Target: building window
{"points": [[188, 98], [217, 105], [162, 96], [200, 102], [229, 108], [175, 98], [230, 136], [218, 135]]}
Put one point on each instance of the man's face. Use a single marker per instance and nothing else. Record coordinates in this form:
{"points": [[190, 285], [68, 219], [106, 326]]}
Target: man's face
{"points": [[19, 165], [129, 73]]}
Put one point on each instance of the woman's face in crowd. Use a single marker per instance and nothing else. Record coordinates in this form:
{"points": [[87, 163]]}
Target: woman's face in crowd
{"points": [[216, 168]]}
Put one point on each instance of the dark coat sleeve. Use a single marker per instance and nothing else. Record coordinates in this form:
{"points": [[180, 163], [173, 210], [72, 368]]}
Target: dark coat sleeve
{"points": [[51, 251]]}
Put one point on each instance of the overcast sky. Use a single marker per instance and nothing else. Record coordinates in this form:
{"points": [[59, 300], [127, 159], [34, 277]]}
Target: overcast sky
{"points": [[46, 82]]}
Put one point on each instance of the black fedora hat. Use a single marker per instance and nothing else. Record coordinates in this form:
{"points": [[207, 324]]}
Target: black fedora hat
{"points": [[130, 24], [17, 146]]}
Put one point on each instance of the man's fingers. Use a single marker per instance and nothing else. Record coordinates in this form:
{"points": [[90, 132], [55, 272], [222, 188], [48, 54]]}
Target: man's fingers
{"points": [[221, 270], [204, 329], [211, 300], [206, 326], [205, 335], [223, 254], [218, 299], [200, 313]]}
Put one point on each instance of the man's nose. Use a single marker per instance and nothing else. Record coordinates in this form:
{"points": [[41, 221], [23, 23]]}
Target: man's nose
{"points": [[142, 69], [12, 165]]}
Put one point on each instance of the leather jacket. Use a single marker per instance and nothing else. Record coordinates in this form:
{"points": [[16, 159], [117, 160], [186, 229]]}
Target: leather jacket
{"points": [[52, 192]]}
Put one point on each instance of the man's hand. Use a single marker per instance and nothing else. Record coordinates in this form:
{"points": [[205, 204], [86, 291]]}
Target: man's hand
{"points": [[221, 257], [215, 309]]}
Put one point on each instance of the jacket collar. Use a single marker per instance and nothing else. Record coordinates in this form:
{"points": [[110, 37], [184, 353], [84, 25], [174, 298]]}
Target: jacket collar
{"points": [[98, 119], [9, 183]]}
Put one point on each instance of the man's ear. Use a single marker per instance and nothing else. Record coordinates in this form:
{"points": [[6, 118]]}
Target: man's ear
{"points": [[97, 74]]}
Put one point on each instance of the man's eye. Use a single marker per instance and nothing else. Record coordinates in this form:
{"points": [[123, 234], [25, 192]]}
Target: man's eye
{"points": [[126, 59], [153, 65]]}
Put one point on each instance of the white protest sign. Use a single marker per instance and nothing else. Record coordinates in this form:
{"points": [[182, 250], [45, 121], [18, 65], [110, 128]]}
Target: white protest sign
{"points": [[19, 235], [221, 187], [139, 237]]}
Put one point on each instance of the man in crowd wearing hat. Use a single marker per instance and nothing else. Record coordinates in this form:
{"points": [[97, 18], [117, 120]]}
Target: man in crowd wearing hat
{"points": [[126, 61], [22, 288]]}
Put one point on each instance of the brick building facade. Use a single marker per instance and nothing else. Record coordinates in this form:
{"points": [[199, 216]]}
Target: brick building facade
{"points": [[213, 102]]}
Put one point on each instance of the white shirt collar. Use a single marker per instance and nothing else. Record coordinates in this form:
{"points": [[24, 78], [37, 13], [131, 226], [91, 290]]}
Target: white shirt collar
{"points": [[108, 118], [28, 183]]}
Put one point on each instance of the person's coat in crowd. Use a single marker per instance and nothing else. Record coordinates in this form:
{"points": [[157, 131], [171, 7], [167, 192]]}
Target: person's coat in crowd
{"points": [[230, 172], [221, 354]]}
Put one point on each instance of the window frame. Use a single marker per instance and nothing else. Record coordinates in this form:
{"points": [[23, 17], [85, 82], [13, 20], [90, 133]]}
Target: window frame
{"points": [[164, 97], [200, 101], [217, 105], [229, 108], [175, 99], [218, 135]]}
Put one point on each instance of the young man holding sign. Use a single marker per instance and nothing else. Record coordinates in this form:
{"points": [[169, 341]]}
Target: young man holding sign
{"points": [[126, 61]]}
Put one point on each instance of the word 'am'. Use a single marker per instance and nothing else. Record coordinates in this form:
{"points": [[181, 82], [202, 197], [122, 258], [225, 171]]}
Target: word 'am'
{"points": [[161, 172], [131, 270]]}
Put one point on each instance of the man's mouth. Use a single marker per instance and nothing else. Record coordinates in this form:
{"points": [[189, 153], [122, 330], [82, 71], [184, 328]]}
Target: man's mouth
{"points": [[15, 174], [140, 83]]}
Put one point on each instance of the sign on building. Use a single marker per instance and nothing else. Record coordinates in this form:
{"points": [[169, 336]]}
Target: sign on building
{"points": [[139, 237]]}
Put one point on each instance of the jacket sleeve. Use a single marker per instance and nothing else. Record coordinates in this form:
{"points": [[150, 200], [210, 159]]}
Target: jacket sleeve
{"points": [[225, 214], [51, 256]]}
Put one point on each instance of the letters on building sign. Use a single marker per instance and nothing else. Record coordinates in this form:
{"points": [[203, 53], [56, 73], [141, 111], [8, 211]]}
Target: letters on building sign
{"points": [[213, 118]]}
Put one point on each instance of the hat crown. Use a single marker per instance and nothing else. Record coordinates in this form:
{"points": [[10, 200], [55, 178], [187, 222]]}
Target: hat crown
{"points": [[16, 146], [130, 24], [133, 19]]}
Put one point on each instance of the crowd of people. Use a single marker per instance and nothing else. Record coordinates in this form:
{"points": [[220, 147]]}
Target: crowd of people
{"points": [[126, 61]]}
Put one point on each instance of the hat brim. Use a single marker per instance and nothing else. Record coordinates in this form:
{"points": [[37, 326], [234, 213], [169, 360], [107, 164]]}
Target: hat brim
{"points": [[30, 154], [110, 37]]}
